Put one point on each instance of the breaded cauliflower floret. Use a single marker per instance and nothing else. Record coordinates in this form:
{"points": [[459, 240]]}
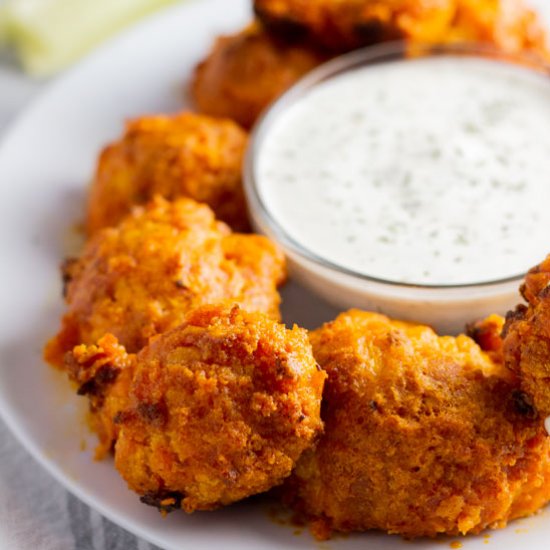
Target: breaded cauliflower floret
{"points": [[219, 408], [245, 72], [423, 435], [527, 338], [141, 278], [343, 25], [184, 155]]}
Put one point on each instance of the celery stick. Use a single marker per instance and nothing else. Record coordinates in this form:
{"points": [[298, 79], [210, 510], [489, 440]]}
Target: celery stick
{"points": [[50, 34]]}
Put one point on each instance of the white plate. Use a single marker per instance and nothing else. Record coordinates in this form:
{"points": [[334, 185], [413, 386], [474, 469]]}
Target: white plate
{"points": [[45, 162]]}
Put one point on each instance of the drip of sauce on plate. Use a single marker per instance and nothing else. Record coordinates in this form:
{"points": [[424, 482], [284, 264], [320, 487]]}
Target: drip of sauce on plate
{"points": [[432, 171]]}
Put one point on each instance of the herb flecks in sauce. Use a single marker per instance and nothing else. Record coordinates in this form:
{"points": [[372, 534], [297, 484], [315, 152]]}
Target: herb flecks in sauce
{"points": [[427, 171]]}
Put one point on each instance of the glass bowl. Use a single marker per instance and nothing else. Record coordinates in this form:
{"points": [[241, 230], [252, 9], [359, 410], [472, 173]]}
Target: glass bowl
{"points": [[447, 308]]}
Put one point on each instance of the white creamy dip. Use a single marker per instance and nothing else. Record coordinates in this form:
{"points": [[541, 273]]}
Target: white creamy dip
{"points": [[433, 171]]}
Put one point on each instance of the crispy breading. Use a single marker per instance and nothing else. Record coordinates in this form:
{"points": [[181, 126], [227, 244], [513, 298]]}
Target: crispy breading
{"points": [[487, 334], [140, 278], [423, 435], [509, 25], [245, 72], [103, 373], [527, 338], [343, 25], [219, 408], [184, 155]]}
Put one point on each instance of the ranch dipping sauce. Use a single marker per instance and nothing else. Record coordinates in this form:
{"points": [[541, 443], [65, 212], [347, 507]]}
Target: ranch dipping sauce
{"points": [[433, 171]]}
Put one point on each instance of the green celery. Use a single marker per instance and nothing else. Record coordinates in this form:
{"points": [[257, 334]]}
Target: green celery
{"points": [[48, 35]]}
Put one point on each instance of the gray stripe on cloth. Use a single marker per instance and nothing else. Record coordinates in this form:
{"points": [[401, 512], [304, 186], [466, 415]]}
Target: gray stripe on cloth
{"points": [[98, 533], [91, 531], [117, 538], [81, 527], [142, 545]]}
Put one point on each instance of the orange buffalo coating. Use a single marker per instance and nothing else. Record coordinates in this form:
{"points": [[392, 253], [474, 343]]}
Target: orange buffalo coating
{"points": [[509, 25], [527, 338], [140, 278], [103, 373], [487, 333], [184, 155], [245, 72], [423, 435], [344, 25], [220, 408]]}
